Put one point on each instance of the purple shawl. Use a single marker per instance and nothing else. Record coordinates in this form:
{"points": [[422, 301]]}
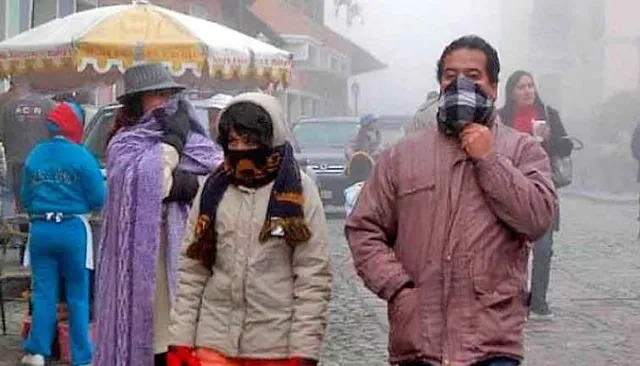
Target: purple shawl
{"points": [[131, 234]]}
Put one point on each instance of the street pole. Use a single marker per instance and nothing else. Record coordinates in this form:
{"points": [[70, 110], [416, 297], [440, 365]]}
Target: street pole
{"points": [[355, 90], [355, 106], [241, 10]]}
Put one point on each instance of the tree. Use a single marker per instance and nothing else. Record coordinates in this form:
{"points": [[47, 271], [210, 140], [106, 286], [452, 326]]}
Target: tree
{"points": [[354, 10]]}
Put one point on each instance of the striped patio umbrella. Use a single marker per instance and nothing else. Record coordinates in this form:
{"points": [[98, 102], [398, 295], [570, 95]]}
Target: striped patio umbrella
{"points": [[96, 46]]}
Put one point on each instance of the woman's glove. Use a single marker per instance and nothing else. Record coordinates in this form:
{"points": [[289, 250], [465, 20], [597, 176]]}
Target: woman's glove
{"points": [[176, 127], [182, 356], [184, 187]]}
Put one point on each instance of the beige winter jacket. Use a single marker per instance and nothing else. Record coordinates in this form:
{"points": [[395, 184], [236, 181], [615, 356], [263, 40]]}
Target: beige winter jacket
{"points": [[162, 305], [261, 299]]}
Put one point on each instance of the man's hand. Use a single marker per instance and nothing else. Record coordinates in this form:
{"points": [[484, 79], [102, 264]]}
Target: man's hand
{"points": [[477, 141]]}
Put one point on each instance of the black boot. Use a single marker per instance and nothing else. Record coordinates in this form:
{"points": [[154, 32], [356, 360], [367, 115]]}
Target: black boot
{"points": [[160, 359]]}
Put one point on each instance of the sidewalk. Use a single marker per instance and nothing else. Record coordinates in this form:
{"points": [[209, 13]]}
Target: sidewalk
{"points": [[601, 197]]}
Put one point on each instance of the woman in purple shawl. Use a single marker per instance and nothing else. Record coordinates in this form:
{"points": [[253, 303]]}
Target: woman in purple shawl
{"points": [[155, 156]]}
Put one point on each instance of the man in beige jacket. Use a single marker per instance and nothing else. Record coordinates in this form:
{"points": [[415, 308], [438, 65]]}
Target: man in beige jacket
{"points": [[254, 277]]}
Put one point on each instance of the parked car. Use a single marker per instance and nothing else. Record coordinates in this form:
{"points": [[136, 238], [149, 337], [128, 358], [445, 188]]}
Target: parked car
{"points": [[391, 130], [90, 110], [320, 142]]}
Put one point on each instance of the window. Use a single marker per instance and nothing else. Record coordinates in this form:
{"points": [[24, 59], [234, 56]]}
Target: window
{"points": [[313, 54], [3, 19], [335, 64], [66, 7], [43, 11], [299, 51], [18, 17], [98, 130], [324, 134], [198, 10], [82, 5]]}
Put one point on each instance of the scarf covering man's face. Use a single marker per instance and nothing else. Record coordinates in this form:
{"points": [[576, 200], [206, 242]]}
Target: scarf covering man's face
{"points": [[462, 102]]}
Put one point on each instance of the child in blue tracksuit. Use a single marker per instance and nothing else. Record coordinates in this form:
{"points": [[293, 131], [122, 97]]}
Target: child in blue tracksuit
{"points": [[61, 182]]}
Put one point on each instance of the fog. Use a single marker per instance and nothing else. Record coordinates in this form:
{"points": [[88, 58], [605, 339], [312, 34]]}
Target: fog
{"points": [[408, 36], [584, 55]]}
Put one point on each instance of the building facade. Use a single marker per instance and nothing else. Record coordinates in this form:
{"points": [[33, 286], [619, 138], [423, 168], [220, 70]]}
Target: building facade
{"points": [[323, 60]]}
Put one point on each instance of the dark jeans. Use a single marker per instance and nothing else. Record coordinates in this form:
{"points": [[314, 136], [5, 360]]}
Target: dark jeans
{"points": [[542, 253], [15, 169], [498, 361]]}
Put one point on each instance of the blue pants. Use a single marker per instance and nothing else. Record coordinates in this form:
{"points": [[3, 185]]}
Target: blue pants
{"points": [[58, 252]]}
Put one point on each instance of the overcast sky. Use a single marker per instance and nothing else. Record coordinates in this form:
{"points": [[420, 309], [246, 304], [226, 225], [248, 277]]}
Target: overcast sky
{"points": [[408, 36]]}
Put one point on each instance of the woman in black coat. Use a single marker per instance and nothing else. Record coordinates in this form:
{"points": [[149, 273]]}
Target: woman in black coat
{"points": [[522, 108]]}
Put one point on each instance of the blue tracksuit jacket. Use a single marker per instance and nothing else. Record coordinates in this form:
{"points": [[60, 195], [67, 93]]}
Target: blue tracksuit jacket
{"points": [[61, 176]]}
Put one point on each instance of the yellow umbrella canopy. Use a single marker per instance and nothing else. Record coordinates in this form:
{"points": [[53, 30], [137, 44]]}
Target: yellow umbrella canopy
{"points": [[98, 45]]}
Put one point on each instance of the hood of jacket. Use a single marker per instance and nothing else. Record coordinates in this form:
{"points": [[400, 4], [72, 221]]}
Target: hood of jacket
{"points": [[272, 106]]}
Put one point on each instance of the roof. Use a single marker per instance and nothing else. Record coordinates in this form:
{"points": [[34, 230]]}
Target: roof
{"points": [[286, 19]]}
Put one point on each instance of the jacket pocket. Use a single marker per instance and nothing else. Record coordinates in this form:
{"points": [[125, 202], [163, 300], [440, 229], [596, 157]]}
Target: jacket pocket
{"points": [[273, 254], [416, 185], [494, 295], [501, 311], [270, 277], [405, 325], [421, 189]]}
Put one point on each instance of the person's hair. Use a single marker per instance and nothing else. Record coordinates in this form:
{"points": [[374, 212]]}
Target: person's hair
{"points": [[127, 115], [248, 120], [472, 42], [360, 168], [510, 103]]}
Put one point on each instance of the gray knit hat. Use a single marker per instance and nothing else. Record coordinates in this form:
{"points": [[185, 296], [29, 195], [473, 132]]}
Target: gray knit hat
{"points": [[148, 77]]}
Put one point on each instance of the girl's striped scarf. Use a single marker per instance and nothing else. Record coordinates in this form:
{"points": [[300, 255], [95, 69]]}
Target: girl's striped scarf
{"points": [[285, 213]]}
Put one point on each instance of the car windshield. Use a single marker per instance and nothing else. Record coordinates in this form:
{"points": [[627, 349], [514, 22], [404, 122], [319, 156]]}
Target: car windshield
{"points": [[98, 131], [324, 134]]}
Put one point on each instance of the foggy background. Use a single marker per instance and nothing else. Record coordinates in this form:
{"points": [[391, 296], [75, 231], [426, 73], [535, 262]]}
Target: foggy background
{"points": [[584, 55], [409, 36]]}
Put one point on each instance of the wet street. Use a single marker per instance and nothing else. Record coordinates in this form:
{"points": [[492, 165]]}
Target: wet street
{"points": [[594, 294]]}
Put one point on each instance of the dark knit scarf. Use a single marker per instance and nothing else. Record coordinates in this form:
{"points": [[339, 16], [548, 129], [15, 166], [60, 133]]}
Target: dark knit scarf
{"points": [[285, 212]]}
